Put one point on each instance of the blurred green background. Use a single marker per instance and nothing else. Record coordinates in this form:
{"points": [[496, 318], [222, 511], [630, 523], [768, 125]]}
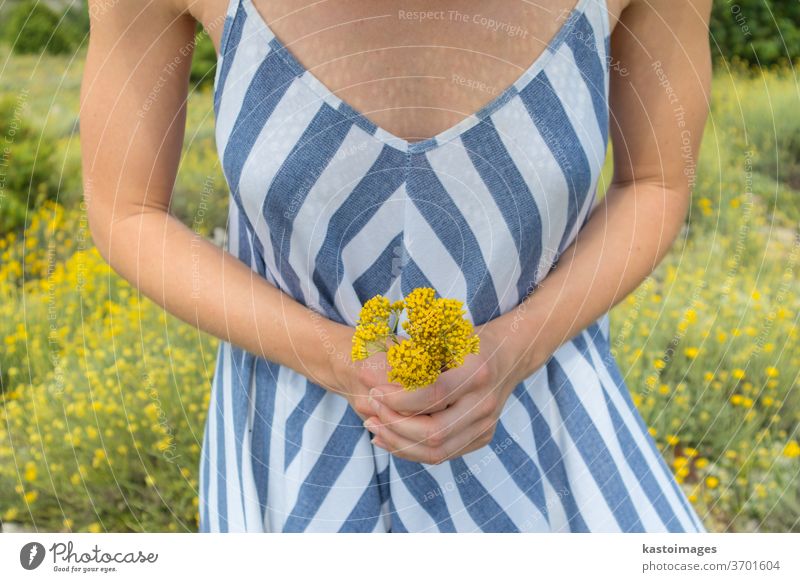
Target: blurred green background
{"points": [[103, 394]]}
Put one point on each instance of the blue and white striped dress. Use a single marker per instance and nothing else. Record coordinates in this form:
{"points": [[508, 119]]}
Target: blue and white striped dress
{"points": [[332, 210]]}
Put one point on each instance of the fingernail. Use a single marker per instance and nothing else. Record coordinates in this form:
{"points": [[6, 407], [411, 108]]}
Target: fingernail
{"points": [[370, 426], [375, 394], [374, 404]]}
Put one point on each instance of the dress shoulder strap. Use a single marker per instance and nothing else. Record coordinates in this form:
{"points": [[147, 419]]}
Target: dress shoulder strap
{"points": [[234, 6]]}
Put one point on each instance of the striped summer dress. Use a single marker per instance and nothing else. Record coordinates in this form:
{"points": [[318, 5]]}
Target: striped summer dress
{"points": [[332, 210]]}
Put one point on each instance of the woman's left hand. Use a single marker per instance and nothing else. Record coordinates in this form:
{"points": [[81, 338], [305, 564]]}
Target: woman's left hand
{"points": [[456, 414]]}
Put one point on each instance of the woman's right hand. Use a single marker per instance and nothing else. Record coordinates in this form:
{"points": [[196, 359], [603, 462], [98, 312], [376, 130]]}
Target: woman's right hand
{"points": [[350, 379]]}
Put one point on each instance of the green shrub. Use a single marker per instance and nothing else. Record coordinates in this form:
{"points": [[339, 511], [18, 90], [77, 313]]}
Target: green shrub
{"points": [[76, 25], [33, 27], [758, 32], [204, 59], [28, 169]]}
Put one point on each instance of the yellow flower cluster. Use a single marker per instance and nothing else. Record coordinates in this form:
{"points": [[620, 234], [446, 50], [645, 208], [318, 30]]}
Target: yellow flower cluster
{"points": [[439, 337]]}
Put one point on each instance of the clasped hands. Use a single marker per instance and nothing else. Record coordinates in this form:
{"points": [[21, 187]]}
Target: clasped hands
{"points": [[447, 419]]}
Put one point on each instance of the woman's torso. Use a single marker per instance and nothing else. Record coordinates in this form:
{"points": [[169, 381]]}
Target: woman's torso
{"points": [[337, 198]]}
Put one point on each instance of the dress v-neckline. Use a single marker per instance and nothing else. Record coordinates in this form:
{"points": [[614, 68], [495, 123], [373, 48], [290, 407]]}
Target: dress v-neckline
{"points": [[452, 132]]}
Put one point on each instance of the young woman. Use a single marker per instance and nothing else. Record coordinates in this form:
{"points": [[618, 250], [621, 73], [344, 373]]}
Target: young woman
{"points": [[376, 146]]}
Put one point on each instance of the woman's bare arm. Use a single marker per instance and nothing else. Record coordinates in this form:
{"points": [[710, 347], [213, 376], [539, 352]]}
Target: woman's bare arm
{"points": [[132, 122]]}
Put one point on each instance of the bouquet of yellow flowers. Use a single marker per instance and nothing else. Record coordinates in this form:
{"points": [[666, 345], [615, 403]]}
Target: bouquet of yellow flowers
{"points": [[438, 336]]}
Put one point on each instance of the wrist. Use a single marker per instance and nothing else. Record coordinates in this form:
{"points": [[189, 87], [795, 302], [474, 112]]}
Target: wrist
{"points": [[523, 346], [338, 364]]}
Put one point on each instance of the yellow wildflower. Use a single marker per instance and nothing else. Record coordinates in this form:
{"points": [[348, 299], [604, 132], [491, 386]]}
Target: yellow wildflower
{"points": [[791, 450], [712, 482], [679, 462], [30, 472], [10, 514]]}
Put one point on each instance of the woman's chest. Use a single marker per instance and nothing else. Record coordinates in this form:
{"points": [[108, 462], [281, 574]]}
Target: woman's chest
{"points": [[412, 68]]}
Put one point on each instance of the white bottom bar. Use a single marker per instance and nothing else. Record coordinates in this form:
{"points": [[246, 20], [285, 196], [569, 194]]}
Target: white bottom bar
{"points": [[401, 558]]}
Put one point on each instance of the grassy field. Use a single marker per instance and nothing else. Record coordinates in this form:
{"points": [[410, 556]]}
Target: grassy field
{"points": [[105, 394]]}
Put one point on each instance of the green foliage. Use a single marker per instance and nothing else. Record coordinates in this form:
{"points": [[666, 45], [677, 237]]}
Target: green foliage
{"points": [[756, 108], [28, 170], [204, 59], [33, 27], [757, 32], [76, 25]]}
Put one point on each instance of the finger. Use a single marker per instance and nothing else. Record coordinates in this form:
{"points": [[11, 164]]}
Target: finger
{"points": [[426, 400], [398, 445], [421, 401], [432, 429], [472, 438], [447, 388]]}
